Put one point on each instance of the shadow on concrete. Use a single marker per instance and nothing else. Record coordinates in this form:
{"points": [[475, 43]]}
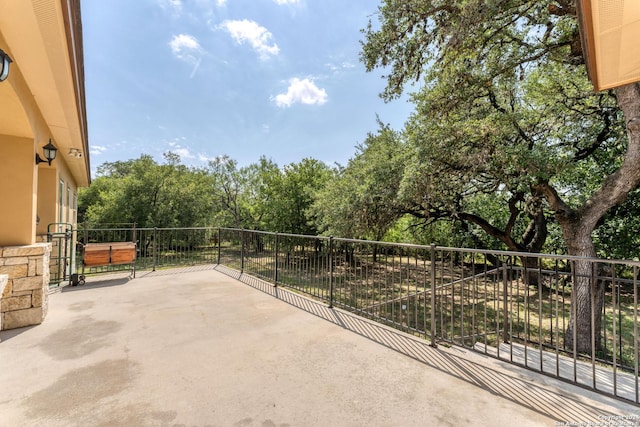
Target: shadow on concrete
{"points": [[10, 333], [507, 385], [175, 271], [93, 283], [117, 279]]}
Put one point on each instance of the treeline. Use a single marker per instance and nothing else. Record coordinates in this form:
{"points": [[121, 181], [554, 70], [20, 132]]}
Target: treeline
{"points": [[365, 199]]}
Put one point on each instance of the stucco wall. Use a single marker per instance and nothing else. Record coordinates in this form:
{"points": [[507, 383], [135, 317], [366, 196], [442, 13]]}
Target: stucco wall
{"points": [[17, 191]]}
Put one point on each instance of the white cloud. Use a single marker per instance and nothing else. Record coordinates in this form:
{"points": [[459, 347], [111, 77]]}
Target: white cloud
{"points": [[337, 68], [186, 48], [174, 6], [303, 92], [205, 158], [178, 149], [287, 1], [184, 153], [251, 32], [97, 150]]}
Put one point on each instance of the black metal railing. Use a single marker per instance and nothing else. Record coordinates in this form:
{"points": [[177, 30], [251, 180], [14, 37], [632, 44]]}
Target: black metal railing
{"points": [[509, 305], [156, 247]]}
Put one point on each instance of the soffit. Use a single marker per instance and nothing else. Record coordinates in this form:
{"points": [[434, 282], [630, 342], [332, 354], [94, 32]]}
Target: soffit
{"points": [[37, 38], [13, 120], [610, 32]]}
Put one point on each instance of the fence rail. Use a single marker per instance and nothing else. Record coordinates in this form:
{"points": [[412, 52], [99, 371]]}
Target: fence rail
{"points": [[509, 305]]}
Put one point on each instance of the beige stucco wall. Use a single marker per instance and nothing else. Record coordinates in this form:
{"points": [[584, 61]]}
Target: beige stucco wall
{"points": [[48, 208], [32, 190], [47, 197], [28, 191], [65, 175], [18, 171], [18, 185], [41, 100]]}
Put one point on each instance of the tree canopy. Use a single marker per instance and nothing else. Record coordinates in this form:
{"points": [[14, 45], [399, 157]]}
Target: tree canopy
{"points": [[149, 194], [259, 196], [360, 201], [504, 109]]}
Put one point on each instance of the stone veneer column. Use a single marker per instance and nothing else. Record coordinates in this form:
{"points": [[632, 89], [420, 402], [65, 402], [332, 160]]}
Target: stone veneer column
{"points": [[4, 279], [23, 301]]}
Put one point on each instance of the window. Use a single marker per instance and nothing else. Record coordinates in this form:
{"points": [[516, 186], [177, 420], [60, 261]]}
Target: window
{"points": [[68, 204], [75, 209], [60, 204]]}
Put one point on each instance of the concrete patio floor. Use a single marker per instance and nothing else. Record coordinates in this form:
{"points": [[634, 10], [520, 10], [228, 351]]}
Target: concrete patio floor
{"points": [[198, 347]]}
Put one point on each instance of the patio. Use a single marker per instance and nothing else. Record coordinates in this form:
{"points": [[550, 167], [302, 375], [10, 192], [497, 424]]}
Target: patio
{"points": [[194, 346]]}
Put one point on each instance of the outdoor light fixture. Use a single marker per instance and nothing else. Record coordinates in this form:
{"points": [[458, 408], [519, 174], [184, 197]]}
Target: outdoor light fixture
{"points": [[4, 65], [74, 152], [49, 152]]}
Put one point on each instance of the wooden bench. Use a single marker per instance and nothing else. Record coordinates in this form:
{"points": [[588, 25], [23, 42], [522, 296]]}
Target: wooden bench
{"points": [[107, 254]]}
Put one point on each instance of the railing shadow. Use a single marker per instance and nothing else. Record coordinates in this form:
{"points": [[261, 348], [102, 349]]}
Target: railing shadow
{"points": [[175, 270], [523, 391]]}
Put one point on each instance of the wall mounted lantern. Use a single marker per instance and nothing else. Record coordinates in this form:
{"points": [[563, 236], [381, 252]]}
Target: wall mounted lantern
{"points": [[49, 152], [4, 65], [74, 152]]}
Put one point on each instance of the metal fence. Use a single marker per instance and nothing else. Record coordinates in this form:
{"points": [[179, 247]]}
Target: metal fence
{"points": [[513, 306], [156, 247]]}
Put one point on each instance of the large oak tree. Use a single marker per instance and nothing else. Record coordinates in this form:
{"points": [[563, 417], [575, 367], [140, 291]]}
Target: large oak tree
{"points": [[504, 107]]}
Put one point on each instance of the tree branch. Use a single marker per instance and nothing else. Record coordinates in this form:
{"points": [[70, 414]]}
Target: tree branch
{"points": [[490, 230], [560, 208], [617, 186]]}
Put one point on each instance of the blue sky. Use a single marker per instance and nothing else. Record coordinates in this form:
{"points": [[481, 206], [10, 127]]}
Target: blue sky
{"points": [[243, 78]]}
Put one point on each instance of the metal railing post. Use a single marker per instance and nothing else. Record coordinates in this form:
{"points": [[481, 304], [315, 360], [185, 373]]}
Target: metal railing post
{"points": [[219, 243], [137, 247], [275, 274], [636, 354], [242, 251], [433, 295], [153, 253], [330, 271], [505, 308]]}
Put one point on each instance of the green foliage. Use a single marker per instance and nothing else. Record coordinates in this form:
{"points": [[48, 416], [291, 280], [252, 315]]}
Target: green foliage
{"points": [[618, 237], [257, 196], [149, 194], [290, 194], [506, 148], [504, 111], [409, 229], [360, 201], [237, 192], [262, 196]]}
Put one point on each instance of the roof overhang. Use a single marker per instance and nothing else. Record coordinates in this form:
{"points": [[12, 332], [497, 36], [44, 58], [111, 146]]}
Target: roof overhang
{"points": [[44, 40], [610, 32]]}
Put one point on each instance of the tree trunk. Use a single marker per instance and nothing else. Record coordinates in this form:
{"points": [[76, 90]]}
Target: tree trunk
{"points": [[533, 239], [584, 333], [530, 274], [587, 296]]}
